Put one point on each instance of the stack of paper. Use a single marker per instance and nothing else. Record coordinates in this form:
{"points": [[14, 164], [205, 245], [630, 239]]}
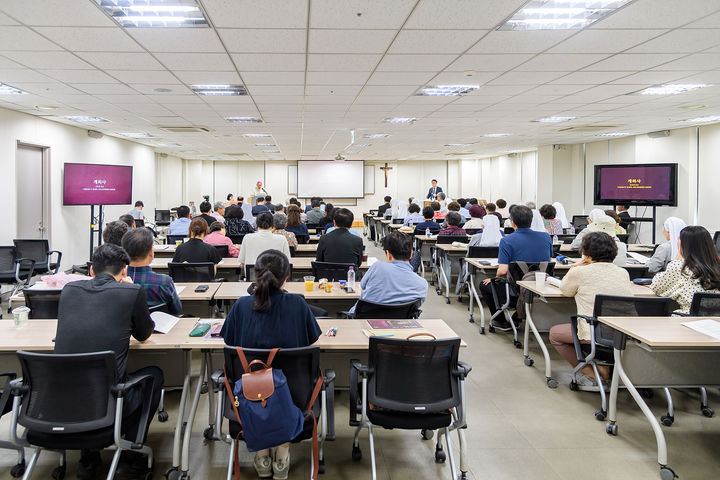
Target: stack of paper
{"points": [[705, 326], [164, 322]]}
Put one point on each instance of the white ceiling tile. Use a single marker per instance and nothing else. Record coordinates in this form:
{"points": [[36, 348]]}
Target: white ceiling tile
{"points": [[368, 14], [43, 60], [5, 20], [263, 40], [89, 39], [336, 78], [262, 100], [105, 88], [560, 62], [85, 76], [698, 61], [461, 14], [216, 62], [195, 40], [525, 78], [652, 77], [384, 101], [281, 90], [349, 41], [269, 62], [709, 21], [523, 41], [256, 13], [401, 78], [19, 39], [149, 88], [325, 62], [209, 78], [332, 90], [57, 13], [604, 41], [125, 61], [7, 64], [680, 41], [54, 89], [488, 63], [588, 78], [499, 90], [413, 63], [144, 76], [435, 41], [274, 78], [555, 90], [389, 90], [658, 14], [329, 99], [23, 75], [633, 61], [459, 78]]}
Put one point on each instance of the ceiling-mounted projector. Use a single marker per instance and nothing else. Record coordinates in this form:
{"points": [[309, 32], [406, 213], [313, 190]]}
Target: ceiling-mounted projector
{"points": [[339, 157]]}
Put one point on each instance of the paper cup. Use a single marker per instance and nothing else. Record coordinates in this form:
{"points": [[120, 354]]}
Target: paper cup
{"points": [[540, 280], [20, 316]]}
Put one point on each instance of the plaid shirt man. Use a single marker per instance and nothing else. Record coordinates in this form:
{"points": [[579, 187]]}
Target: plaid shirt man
{"points": [[158, 288]]}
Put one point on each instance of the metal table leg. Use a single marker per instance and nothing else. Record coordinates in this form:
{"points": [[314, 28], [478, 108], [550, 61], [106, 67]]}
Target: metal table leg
{"points": [[180, 423], [552, 383], [474, 293], [185, 456]]}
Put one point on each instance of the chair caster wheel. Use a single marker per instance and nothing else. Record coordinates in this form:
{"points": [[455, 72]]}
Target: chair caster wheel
{"points": [[600, 415], [321, 467], [447, 300], [204, 388], [58, 473], [439, 455], [529, 362], [356, 454], [163, 416], [172, 473], [611, 429], [472, 320], [574, 386], [208, 433], [552, 383], [426, 434], [149, 475], [646, 393], [491, 329], [667, 420], [482, 330], [667, 473], [463, 476], [517, 343], [707, 411], [18, 470]]}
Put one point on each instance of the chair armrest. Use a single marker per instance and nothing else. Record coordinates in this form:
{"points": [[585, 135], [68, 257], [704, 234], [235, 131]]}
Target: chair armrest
{"points": [[17, 387], [591, 320], [346, 314], [462, 370], [218, 378], [218, 280], [681, 314], [329, 377], [359, 367], [18, 265], [11, 376], [353, 393], [122, 388]]}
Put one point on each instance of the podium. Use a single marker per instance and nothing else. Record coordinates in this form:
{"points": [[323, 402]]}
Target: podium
{"points": [[427, 203]]}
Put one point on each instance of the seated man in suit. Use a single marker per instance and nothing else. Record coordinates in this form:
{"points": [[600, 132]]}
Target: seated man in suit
{"points": [[341, 246], [101, 314], [385, 206], [524, 245]]}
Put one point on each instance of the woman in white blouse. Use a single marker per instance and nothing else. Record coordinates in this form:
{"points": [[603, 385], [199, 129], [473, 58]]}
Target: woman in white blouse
{"points": [[666, 252], [696, 268]]}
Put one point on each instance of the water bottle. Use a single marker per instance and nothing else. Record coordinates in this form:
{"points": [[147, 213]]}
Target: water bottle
{"points": [[351, 279], [555, 240], [427, 232]]}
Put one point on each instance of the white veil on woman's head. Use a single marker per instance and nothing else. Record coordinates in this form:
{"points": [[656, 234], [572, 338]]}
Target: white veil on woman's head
{"points": [[560, 214], [491, 231], [537, 222], [594, 213], [674, 226]]}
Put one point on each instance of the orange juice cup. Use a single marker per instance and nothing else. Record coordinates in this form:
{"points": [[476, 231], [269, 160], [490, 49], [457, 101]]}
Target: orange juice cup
{"points": [[309, 284], [328, 287]]}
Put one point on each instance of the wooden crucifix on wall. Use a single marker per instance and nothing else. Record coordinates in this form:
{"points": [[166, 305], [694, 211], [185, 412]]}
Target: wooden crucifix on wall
{"points": [[386, 168]]}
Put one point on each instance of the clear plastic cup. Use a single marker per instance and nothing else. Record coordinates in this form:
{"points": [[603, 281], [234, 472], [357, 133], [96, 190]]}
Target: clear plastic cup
{"points": [[309, 283], [540, 280], [20, 316]]}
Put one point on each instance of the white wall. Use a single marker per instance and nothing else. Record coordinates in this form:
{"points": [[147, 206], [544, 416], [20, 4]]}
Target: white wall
{"points": [[69, 226]]}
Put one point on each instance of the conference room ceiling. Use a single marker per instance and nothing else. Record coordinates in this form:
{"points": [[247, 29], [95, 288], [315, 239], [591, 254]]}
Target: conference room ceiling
{"points": [[317, 70]]}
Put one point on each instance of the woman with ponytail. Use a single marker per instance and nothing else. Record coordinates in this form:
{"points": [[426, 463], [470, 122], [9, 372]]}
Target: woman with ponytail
{"points": [[271, 318]]}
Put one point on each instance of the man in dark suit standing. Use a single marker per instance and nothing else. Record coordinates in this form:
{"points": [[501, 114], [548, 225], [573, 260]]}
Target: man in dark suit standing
{"points": [[624, 215], [341, 246], [434, 190]]}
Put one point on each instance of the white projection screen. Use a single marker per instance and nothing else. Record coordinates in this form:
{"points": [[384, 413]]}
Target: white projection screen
{"points": [[330, 179]]}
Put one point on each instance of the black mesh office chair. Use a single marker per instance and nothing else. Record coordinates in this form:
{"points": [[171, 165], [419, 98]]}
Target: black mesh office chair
{"points": [[302, 239], [14, 270], [398, 221], [162, 218], [301, 367], [139, 223], [192, 272], [250, 273], [448, 239], [600, 349], [38, 250], [18, 469], [334, 272], [623, 237], [580, 222], [42, 303], [61, 413], [566, 238], [173, 239], [223, 251], [716, 240], [482, 252], [365, 309], [237, 239], [394, 393], [473, 231], [516, 272]]}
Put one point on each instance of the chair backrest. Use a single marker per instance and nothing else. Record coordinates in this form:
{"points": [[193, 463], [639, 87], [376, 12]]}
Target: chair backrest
{"points": [[579, 222], [331, 270], [623, 237], [34, 249], [556, 249], [139, 222], [398, 221], [302, 238], [162, 217], [508, 230], [292, 251], [365, 309], [403, 369], [566, 238], [314, 227], [7, 260], [716, 239], [42, 303], [619, 306], [160, 307], [69, 392], [192, 272], [447, 239], [705, 304], [473, 231], [516, 273], [301, 367], [250, 273], [237, 239], [173, 239], [482, 252], [223, 250]]}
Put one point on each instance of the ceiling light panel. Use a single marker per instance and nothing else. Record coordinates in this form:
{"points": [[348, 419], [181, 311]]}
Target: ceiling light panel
{"points": [[362, 145], [456, 144], [85, 119], [708, 119], [614, 134], [376, 135], [265, 145], [271, 151], [243, 119], [136, 135], [257, 135], [446, 90], [495, 135], [8, 90], [561, 14], [405, 120], [154, 13], [671, 88], [222, 90], [554, 119]]}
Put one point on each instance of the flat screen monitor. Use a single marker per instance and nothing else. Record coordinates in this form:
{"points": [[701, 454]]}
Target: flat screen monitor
{"points": [[636, 184], [94, 184], [331, 179]]}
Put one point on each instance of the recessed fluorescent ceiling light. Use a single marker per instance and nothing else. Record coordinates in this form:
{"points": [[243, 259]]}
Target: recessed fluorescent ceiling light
{"points": [[271, 151], [446, 90], [166, 144], [361, 145], [708, 119], [554, 119], [350, 152], [156, 13], [456, 144], [495, 135], [223, 90], [84, 118], [190, 151], [400, 120], [136, 135], [561, 14], [376, 135], [257, 135], [8, 90], [671, 88], [614, 134], [265, 145], [243, 119]]}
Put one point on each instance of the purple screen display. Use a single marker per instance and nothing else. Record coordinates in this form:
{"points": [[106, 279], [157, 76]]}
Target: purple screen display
{"points": [[90, 184], [635, 183]]}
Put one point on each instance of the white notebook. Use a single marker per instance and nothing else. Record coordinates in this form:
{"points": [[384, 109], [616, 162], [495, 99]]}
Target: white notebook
{"points": [[164, 322], [706, 326]]}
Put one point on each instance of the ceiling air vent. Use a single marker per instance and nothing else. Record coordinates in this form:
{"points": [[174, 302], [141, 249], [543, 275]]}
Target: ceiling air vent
{"points": [[235, 154], [587, 128], [188, 129], [459, 154]]}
